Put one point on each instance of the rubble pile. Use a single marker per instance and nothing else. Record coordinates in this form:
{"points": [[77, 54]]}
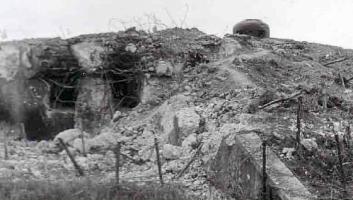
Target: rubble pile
{"points": [[197, 89]]}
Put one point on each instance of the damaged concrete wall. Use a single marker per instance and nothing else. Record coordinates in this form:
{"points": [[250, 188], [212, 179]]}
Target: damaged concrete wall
{"points": [[24, 93], [94, 104], [51, 85]]}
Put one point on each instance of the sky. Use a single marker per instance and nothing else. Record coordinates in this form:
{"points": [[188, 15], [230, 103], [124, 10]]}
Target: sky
{"points": [[322, 21]]}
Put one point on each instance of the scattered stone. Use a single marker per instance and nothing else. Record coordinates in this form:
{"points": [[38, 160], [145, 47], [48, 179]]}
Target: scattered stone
{"points": [[118, 115], [68, 136], [188, 120], [188, 88], [131, 48], [149, 41], [102, 141], [171, 152], [190, 141], [164, 69], [151, 69], [147, 154], [43, 145], [173, 166], [77, 144], [309, 144], [288, 152]]}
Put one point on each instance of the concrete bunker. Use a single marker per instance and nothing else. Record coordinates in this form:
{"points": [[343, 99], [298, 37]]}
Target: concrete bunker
{"points": [[61, 87], [253, 27]]}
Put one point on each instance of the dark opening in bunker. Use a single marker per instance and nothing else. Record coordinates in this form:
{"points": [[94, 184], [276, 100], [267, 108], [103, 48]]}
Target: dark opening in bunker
{"points": [[63, 90], [126, 91], [45, 122], [66, 97], [125, 78]]}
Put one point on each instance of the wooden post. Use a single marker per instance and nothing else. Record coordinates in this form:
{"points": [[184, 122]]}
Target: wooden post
{"points": [[264, 175], [158, 161], [82, 137], [299, 112], [6, 156], [348, 137], [117, 162], [343, 177], [83, 144], [77, 167], [23, 133], [342, 80]]}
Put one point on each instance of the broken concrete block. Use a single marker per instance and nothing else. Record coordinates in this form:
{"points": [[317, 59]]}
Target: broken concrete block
{"points": [[93, 105], [67, 136], [102, 141], [171, 152], [131, 48], [190, 141], [188, 120], [164, 68], [147, 154], [77, 144], [229, 46], [10, 62], [88, 55], [309, 144], [288, 152]]}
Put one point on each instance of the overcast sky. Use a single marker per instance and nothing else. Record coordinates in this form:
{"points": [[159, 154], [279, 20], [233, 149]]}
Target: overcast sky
{"points": [[323, 21]]}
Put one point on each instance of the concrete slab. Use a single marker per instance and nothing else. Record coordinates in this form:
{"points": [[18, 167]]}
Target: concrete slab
{"points": [[237, 170]]}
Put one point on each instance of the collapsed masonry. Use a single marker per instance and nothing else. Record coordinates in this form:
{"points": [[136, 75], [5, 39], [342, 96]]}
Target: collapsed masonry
{"points": [[51, 85]]}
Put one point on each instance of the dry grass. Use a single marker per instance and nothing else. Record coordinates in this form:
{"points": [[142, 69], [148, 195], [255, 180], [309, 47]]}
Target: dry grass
{"points": [[86, 190]]}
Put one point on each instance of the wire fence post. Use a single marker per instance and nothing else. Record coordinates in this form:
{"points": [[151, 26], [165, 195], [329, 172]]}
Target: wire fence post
{"points": [[117, 162], [348, 137], [343, 177], [299, 112], [264, 175], [6, 154], [23, 133], [77, 167], [80, 126], [158, 161]]}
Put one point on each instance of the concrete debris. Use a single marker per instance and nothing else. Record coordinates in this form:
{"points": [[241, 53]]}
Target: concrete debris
{"points": [[131, 48], [190, 142], [78, 145], [171, 152], [309, 144], [189, 88], [68, 136], [188, 120], [288, 152], [88, 55], [164, 69]]}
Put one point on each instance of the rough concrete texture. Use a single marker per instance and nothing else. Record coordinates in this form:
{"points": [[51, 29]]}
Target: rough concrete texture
{"points": [[94, 104], [88, 55], [164, 69], [238, 170]]}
